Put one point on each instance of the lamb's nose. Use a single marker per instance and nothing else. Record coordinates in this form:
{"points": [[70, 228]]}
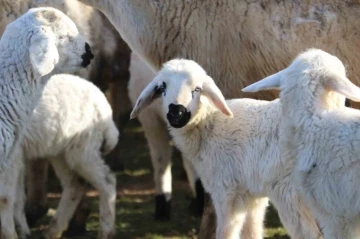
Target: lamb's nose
{"points": [[87, 56], [176, 111]]}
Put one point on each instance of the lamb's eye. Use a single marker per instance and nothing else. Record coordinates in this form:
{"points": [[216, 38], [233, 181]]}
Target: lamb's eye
{"points": [[161, 89], [197, 89], [62, 37]]}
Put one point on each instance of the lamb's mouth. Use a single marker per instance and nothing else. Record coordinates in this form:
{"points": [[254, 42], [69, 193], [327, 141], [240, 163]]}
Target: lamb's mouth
{"points": [[179, 122]]}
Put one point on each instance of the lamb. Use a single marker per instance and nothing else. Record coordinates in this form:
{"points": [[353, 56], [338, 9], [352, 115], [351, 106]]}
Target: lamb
{"points": [[321, 136], [158, 140], [72, 126], [108, 71], [33, 48], [231, 144]]}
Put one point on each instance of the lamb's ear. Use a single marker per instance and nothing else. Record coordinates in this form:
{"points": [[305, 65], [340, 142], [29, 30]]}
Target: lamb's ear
{"points": [[147, 96], [43, 53], [268, 83], [344, 87], [213, 93]]}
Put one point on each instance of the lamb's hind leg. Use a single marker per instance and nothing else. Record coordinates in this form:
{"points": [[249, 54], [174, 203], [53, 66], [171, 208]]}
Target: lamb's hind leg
{"points": [[253, 227], [36, 204], [93, 169], [73, 190], [160, 152]]}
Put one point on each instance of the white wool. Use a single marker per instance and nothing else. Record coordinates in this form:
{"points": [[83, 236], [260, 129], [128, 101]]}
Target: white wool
{"points": [[72, 127], [238, 159], [237, 43], [322, 137], [32, 49]]}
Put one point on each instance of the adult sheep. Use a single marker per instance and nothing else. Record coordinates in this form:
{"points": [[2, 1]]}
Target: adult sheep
{"points": [[236, 41]]}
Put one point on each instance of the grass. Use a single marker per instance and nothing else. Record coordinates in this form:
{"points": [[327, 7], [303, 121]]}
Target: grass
{"points": [[135, 201]]}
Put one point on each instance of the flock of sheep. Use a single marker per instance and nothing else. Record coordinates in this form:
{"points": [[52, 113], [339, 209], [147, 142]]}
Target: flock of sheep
{"points": [[299, 151]]}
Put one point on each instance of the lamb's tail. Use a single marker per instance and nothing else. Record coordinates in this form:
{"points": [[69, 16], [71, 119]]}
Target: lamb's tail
{"points": [[111, 138]]}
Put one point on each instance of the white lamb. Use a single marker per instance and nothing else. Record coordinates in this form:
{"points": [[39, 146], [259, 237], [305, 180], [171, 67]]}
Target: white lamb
{"points": [[237, 156], [40, 43], [158, 140], [72, 126], [322, 136]]}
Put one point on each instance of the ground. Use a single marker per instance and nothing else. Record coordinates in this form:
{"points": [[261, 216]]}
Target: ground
{"points": [[135, 201]]}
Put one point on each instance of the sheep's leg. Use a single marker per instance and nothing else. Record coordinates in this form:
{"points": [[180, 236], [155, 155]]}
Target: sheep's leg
{"points": [[160, 152], [20, 217], [100, 177], [230, 214], [37, 202], [9, 180], [253, 227], [335, 228], [7, 219], [296, 217], [195, 185], [73, 190], [208, 219], [77, 224]]}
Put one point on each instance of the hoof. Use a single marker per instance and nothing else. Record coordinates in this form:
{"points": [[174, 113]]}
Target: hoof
{"points": [[347, 103], [162, 208], [34, 214], [200, 197]]}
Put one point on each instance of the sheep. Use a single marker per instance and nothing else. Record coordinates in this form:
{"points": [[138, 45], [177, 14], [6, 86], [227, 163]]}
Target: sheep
{"points": [[233, 145], [321, 136], [235, 40], [72, 126], [158, 141], [108, 71], [33, 48], [39, 44]]}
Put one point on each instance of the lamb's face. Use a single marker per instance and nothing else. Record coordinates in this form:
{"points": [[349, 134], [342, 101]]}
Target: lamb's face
{"points": [[55, 44], [181, 94], [185, 89], [74, 52]]}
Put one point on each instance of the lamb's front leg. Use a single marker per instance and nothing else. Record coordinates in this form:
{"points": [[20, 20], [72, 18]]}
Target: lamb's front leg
{"points": [[294, 214], [253, 227], [230, 213]]}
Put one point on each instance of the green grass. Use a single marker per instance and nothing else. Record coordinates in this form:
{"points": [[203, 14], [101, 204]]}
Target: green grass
{"points": [[135, 202]]}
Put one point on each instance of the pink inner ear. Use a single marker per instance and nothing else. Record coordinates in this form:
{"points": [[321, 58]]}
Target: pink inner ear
{"points": [[223, 108]]}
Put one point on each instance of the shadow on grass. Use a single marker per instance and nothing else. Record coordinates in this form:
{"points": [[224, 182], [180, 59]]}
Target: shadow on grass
{"points": [[135, 201]]}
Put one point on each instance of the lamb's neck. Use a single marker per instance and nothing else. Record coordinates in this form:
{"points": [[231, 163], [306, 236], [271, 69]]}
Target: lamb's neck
{"points": [[19, 91], [189, 138]]}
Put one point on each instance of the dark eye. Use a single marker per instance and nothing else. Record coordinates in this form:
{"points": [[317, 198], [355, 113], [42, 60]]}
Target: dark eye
{"points": [[197, 89], [160, 89], [62, 37]]}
